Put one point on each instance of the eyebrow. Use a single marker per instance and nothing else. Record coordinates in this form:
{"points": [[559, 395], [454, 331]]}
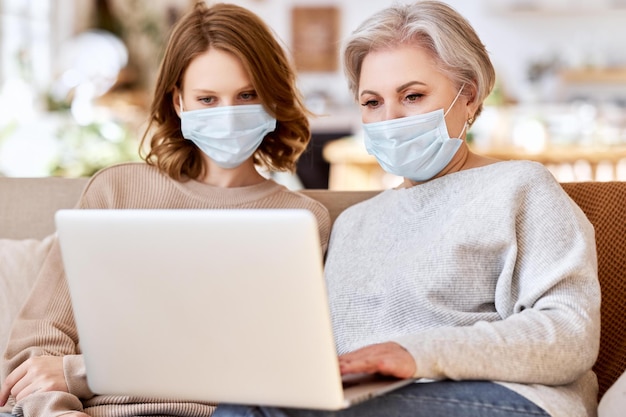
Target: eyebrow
{"points": [[205, 91], [202, 91], [410, 83], [399, 89]]}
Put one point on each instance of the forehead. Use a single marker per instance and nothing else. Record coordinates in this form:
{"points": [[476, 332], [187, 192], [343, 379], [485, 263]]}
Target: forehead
{"points": [[389, 68], [216, 69]]}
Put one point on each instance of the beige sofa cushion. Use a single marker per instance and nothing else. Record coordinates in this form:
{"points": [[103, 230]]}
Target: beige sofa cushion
{"points": [[20, 261]]}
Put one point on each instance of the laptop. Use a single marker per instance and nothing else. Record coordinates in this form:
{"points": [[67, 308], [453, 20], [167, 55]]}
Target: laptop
{"points": [[223, 306]]}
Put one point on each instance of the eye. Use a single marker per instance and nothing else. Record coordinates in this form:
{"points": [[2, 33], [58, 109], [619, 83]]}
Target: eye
{"points": [[248, 95], [207, 100], [413, 97], [371, 104]]}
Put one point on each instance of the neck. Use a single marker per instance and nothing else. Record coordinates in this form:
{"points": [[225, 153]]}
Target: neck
{"points": [[459, 161], [463, 159], [242, 176]]}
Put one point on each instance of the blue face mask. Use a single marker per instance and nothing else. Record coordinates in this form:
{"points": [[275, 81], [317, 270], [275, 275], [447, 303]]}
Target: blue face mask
{"points": [[229, 135], [415, 147]]}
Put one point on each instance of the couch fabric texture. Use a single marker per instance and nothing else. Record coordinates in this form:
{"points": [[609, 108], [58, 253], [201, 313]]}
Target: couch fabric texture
{"points": [[27, 207], [605, 207]]}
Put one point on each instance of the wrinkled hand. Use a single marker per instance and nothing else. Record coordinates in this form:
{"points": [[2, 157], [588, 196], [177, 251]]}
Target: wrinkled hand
{"points": [[385, 358], [37, 374]]}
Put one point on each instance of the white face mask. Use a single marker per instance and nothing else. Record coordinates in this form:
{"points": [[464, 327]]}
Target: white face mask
{"points": [[415, 147], [229, 135]]}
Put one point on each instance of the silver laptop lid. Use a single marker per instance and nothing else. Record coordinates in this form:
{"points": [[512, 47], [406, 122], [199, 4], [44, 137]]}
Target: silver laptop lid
{"points": [[202, 305]]}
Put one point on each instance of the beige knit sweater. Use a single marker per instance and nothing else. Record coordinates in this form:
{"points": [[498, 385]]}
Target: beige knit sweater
{"points": [[46, 325]]}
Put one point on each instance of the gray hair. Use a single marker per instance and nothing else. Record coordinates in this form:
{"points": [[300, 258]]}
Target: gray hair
{"points": [[433, 25]]}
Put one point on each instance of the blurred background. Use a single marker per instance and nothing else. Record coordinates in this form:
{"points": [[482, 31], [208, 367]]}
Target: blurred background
{"points": [[76, 78]]}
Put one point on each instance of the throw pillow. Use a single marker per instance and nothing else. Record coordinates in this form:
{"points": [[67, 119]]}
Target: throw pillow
{"points": [[20, 261]]}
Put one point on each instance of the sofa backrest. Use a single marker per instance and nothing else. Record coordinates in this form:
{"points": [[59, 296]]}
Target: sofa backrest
{"points": [[27, 206], [604, 203]]}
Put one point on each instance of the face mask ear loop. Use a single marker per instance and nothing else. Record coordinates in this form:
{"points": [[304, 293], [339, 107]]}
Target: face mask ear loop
{"points": [[180, 102], [463, 130], [454, 101]]}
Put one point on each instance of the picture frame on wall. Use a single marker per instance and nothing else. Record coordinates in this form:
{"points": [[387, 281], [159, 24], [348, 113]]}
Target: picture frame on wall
{"points": [[315, 34]]}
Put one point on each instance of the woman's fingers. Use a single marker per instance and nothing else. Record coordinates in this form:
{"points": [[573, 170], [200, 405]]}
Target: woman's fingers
{"points": [[42, 373], [386, 358]]}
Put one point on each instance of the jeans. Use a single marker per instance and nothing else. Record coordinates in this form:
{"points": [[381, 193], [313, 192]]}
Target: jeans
{"points": [[436, 399]]}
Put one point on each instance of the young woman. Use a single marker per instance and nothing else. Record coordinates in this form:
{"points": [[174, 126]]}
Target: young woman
{"points": [[478, 274], [225, 103]]}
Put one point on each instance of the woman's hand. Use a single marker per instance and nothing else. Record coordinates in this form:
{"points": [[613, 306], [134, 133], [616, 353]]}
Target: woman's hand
{"points": [[385, 358], [37, 374]]}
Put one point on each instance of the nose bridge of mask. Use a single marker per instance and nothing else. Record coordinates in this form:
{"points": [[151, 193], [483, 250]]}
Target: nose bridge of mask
{"points": [[231, 121], [395, 128]]}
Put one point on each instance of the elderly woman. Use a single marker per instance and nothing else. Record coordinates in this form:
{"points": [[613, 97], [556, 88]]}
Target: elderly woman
{"points": [[475, 273]]}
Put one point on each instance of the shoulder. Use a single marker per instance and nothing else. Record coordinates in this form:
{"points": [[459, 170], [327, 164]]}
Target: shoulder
{"points": [[527, 178], [528, 171], [531, 191], [119, 179], [506, 185], [515, 172], [125, 174], [123, 170], [514, 181]]}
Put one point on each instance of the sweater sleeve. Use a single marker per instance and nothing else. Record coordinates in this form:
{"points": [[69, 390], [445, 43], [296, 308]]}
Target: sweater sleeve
{"points": [[49, 404], [547, 295], [45, 326], [76, 376]]}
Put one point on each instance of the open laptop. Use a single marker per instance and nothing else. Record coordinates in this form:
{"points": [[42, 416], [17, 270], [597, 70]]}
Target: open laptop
{"points": [[205, 305]]}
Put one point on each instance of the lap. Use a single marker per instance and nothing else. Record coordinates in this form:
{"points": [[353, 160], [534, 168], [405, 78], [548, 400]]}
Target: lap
{"points": [[441, 398]]}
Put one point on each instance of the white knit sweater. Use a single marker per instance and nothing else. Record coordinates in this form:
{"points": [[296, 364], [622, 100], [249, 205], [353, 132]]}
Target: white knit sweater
{"points": [[488, 273]]}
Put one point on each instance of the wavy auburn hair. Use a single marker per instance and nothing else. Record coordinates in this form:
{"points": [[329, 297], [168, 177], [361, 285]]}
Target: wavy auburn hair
{"points": [[236, 30]]}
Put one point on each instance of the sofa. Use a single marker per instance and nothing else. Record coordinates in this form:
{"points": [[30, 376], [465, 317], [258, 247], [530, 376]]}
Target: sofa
{"points": [[27, 206]]}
